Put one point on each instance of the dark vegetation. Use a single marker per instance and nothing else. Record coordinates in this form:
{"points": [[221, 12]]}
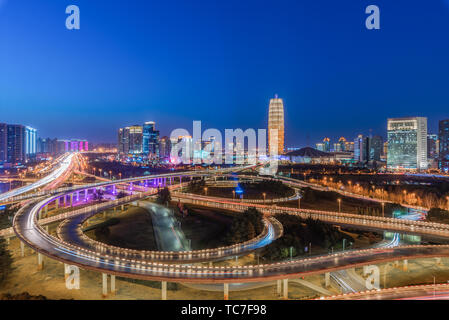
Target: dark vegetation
{"points": [[299, 233], [6, 217], [245, 226], [163, 196], [5, 261], [438, 215], [21, 296], [274, 187]]}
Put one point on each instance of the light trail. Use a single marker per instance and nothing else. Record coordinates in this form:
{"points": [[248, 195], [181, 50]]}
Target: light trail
{"points": [[56, 174]]}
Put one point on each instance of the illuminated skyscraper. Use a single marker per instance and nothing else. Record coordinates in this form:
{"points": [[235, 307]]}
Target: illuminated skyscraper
{"points": [[407, 143], [444, 145], [150, 140], [276, 122]]}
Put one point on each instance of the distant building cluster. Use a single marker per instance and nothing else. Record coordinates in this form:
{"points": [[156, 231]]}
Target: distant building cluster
{"points": [[47, 146], [142, 143], [409, 147], [17, 143]]}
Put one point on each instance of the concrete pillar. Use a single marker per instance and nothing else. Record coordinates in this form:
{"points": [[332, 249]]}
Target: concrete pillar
{"points": [[46, 210], [46, 228], [279, 287], [164, 290], [285, 289], [438, 261], [226, 291], [40, 262], [123, 207], [105, 285], [22, 249], [327, 279], [66, 271], [113, 290], [7, 241], [85, 193], [71, 200], [405, 265], [57, 203]]}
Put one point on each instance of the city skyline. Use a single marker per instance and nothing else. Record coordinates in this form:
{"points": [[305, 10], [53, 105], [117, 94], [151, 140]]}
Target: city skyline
{"points": [[151, 71]]}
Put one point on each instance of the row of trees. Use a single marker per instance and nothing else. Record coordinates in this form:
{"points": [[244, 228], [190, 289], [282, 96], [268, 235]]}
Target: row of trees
{"points": [[276, 188], [299, 233], [438, 215], [5, 261], [245, 226]]}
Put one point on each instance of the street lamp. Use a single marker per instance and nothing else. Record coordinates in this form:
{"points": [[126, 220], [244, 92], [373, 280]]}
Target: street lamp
{"points": [[110, 174], [205, 191], [383, 209], [339, 205], [233, 194], [264, 195]]}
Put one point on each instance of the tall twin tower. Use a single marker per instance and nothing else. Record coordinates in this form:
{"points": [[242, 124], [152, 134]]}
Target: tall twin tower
{"points": [[276, 122]]}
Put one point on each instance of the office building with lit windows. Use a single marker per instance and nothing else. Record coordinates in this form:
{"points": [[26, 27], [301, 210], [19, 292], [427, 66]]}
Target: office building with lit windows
{"points": [[407, 144], [276, 122], [443, 137], [150, 140]]}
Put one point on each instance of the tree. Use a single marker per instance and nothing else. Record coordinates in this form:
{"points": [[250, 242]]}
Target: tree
{"points": [[121, 194], [5, 261], [163, 196]]}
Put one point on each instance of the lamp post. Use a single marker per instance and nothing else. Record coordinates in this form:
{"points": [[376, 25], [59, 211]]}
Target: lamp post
{"points": [[120, 175], [100, 171], [233, 194], [264, 196], [339, 205], [383, 209], [110, 174], [205, 191], [95, 169]]}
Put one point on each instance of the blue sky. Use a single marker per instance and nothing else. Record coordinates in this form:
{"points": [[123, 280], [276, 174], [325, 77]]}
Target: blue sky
{"points": [[220, 62]]}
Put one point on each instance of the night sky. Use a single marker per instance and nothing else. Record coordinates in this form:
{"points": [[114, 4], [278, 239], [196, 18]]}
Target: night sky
{"points": [[220, 62]]}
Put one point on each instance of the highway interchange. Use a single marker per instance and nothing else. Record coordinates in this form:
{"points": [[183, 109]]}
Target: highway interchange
{"points": [[72, 247]]}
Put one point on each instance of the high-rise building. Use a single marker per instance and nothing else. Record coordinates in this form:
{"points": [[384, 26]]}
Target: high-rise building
{"points": [[30, 142], [375, 146], [123, 141], [443, 137], [342, 143], [407, 143], [150, 140], [361, 148], [276, 122], [164, 148], [3, 142], [16, 143], [432, 146]]}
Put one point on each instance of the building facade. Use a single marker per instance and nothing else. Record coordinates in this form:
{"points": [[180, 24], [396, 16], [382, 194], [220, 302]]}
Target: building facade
{"points": [[276, 122], [443, 137], [407, 144], [150, 140]]}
